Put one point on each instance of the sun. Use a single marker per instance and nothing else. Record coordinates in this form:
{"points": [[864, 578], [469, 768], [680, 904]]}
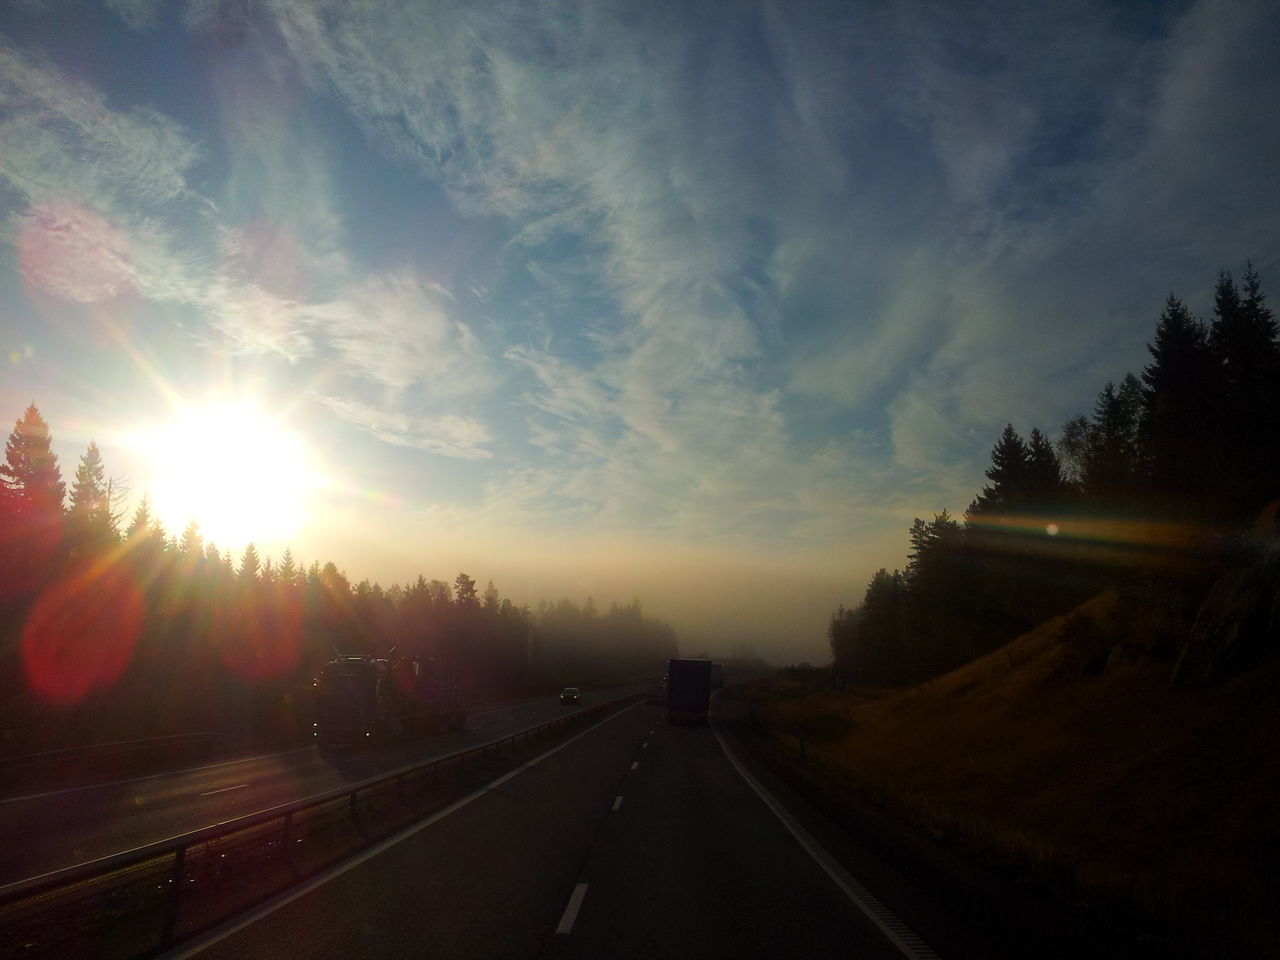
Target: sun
{"points": [[240, 475]]}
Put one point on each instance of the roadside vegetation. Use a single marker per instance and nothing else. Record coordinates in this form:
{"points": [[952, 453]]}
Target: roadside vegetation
{"points": [[1080, 677], [1112, 789]]}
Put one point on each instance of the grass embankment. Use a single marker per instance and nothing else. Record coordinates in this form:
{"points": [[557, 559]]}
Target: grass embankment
{"points": [[1117, 790]]}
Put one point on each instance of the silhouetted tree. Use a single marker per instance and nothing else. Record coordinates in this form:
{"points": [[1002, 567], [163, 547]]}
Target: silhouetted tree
{"points": [[288, 575], [249, 564], [30, 474], [192, 544], [1179, 441], [31, 517], [465, 591], [92, 521], [1243, 339], [1008, 476], [1111, 463]]}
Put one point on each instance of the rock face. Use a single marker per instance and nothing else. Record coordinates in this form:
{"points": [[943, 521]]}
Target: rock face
{"points": [[1238, 621]]}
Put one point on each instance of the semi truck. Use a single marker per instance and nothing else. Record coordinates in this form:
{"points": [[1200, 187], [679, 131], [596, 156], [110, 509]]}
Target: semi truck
{"points": [[372, 699], [688, 690]]}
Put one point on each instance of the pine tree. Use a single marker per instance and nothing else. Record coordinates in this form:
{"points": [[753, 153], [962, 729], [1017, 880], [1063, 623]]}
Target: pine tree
{"points": [[249, 564], [1112, 455], [1243, 339], [1008, 476], [1180, 447], [288, 573], [30, 473], [1044, 485], [92, 517], [143, 523], [192, 544], [465, 588]]}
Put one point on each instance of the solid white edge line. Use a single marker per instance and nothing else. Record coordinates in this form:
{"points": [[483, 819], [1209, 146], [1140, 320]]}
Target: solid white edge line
{"points": [[237, 924], [571, 911], [901, 936]]}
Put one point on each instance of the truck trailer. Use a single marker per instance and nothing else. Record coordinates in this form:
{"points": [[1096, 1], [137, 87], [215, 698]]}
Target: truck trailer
{"points": [[372, 700], [688, 690]]}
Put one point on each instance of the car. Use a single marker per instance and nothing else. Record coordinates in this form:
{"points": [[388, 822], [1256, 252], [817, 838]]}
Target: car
{"points": [[569, 695]]}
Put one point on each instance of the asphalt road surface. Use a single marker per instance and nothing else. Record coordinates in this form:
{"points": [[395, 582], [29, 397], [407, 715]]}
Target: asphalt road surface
{"points": [[634, 839], [45, 830]]}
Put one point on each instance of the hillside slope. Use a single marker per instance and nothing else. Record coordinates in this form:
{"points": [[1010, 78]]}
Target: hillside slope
{"points": [[1108, 783]]}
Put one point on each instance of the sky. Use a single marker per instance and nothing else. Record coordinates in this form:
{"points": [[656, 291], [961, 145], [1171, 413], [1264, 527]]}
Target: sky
{"points": [[700, 303]]}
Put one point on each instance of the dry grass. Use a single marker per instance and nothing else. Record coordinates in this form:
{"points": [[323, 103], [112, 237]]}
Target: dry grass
{"points": [[1117, 789]]}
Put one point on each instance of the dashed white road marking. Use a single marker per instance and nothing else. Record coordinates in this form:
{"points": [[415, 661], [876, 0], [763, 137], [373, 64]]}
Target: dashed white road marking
{"points": [[645, 745], [617, 802], [634, 764], [210, 793], [236, 924], [571, 911]]}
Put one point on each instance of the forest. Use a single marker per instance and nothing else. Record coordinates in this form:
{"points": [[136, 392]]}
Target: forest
{"points": [[1156, 494], [112, 628]]}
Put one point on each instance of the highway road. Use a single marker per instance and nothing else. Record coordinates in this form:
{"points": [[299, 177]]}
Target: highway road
{"points": [[45, 830], [635, 839]]}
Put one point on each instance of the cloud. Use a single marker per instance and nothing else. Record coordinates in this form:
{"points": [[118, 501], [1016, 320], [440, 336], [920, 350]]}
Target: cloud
{"points": [[62, 141], [137, 14], [447, 435], [395, 329], [74, 253]]}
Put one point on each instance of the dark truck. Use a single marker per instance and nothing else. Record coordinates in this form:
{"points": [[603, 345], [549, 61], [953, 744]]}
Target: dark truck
{"points": [[370, 700], [688, 690]]}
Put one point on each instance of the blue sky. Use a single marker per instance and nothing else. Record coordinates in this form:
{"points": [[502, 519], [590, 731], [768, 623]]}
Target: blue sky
{"points": [[700, 302]]}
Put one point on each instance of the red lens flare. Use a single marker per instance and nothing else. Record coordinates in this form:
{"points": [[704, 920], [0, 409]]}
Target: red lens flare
{"points": [[264, 641], [81, 634], [74, 253]]}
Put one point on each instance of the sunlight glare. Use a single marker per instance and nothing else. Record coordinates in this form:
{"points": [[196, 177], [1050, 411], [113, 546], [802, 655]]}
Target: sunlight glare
{"points": [[240, 475]]}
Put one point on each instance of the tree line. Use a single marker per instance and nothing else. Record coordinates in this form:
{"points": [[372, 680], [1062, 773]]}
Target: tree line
{"points": [[112, 628], [1149, 494]]}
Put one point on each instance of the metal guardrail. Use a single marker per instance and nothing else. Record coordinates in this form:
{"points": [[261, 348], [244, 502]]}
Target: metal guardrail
{"points": [[152, 884]]}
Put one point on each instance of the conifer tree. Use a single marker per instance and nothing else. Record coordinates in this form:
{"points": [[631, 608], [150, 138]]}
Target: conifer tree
{"points": [[1008, 476], [92, 514], [288, 573], [1111, 457], [192, 544], [1243, 339], [1180, 446], [1044, 484], [249, 564], [30, 473]]}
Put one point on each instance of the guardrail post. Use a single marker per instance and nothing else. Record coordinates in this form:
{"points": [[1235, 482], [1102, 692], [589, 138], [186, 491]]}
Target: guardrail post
{"points": [[175, 891], [285, 827], [353, 802]]}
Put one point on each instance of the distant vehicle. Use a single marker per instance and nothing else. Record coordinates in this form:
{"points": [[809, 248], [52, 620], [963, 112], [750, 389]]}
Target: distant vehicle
{"points": [[657, 693], [569, 695], [688, 690], [370, 700], [717, 676]]}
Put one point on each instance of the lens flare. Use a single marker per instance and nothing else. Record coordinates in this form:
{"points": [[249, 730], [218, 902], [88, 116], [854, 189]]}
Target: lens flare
{"points": [[80, 634]]}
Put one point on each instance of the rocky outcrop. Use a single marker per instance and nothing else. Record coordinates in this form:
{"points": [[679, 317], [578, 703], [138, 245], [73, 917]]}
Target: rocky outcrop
{"points": [[1238, 622]]}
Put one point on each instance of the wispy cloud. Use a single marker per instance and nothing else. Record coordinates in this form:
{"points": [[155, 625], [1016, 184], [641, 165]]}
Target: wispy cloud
{"points": [[395, 329], [447, 435]]}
